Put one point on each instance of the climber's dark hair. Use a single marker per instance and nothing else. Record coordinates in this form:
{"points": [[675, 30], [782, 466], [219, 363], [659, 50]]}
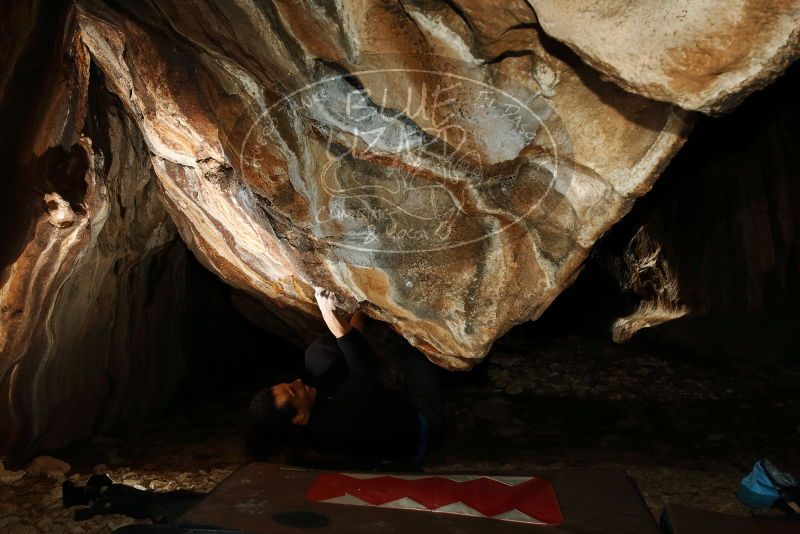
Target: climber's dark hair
{"points": [[271, 430], [271, 424]]}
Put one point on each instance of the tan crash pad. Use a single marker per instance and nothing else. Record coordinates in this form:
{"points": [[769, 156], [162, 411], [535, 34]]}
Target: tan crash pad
{"points": [[268, 498], [684, 520]]}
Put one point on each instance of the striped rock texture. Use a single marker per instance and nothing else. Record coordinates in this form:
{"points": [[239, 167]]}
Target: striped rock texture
{"points": [[447, 222], [444, 166]]}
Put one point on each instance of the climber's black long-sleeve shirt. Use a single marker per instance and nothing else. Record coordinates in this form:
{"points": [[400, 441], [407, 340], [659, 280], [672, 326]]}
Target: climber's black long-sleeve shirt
{"points": [[358, 415]]}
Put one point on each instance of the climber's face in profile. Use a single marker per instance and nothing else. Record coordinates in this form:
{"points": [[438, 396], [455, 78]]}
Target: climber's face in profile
{"points": [[297, 394]]}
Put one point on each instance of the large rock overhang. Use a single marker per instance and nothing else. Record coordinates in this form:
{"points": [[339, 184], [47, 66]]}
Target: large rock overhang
{"points": [[448, 187]]}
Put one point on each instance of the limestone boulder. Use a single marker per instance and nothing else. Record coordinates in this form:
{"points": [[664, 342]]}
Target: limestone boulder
{"points": [[446, 180], [47, 466], [9, 476], [704, 55]]}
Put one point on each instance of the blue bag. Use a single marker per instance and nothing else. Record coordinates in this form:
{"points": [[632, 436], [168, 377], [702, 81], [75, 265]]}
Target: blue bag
{"points": [[763, 486]]}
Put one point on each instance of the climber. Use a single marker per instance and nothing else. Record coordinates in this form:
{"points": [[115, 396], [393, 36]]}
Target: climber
{"points": [[344, 408]]}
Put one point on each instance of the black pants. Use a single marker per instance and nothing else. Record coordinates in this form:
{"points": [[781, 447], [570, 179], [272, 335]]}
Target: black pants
{"points": [[422, 383], [424, 388]]}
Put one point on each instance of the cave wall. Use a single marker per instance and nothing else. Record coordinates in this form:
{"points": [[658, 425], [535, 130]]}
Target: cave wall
{"points": [[487, 153], [713, 251], [92, 279]]}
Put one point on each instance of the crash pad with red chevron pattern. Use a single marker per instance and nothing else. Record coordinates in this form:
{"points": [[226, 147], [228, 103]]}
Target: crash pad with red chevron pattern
{"points": [[268, 498], [506, 498]]}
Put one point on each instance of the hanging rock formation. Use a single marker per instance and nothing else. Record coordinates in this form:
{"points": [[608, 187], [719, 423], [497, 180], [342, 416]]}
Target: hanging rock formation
{"points": [[699, 54], [717, 241], [444, 166], [449, 198]]}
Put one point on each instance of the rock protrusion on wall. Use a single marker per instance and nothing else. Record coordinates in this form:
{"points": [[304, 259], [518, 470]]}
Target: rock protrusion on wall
{"points": [[698, 54]]}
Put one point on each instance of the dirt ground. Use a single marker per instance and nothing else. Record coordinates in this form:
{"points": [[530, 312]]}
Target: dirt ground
{"points": [[686, 430]]}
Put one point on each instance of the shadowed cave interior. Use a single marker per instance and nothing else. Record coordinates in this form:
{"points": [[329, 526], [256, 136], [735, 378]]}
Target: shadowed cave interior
{"points": [[685, 406]]}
